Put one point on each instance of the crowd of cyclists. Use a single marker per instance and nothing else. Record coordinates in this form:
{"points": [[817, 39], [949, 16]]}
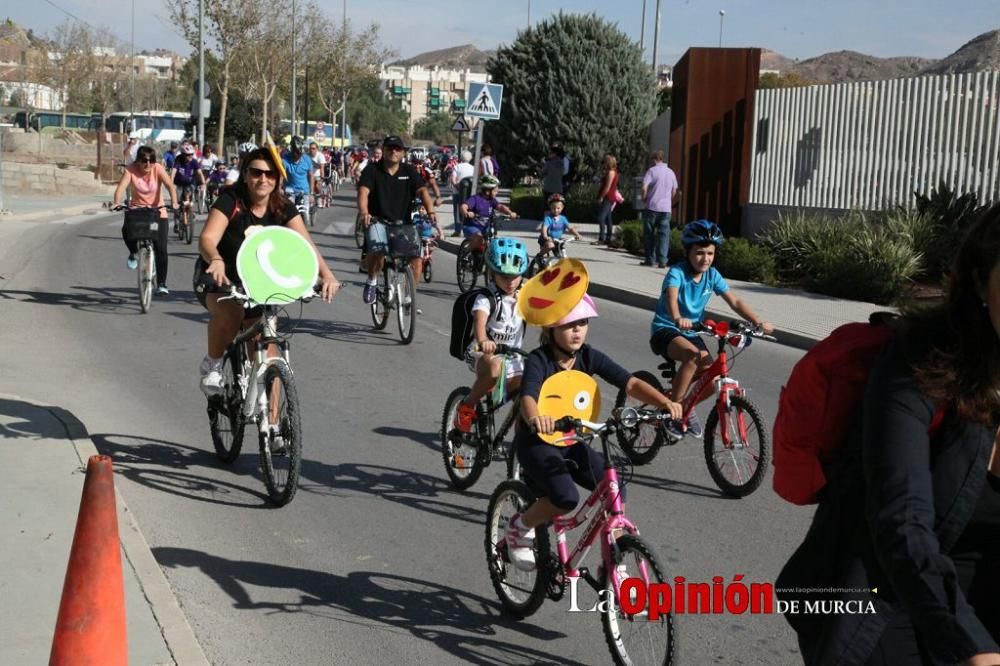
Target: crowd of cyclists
{"points": [[255, 188]]}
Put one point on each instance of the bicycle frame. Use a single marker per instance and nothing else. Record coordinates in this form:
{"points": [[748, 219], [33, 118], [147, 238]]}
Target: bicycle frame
{"points": [[716, 378], [255, 396]]}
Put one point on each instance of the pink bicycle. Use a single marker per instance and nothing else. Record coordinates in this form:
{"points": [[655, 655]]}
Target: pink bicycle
{"points": [[631, 638], [427, 246]]}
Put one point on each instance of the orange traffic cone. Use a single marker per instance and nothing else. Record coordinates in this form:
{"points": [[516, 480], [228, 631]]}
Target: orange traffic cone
{"points": [[91, 624]]}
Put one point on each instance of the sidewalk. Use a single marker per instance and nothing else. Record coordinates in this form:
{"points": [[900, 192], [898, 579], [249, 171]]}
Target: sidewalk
{"points": [[22, 209], [800, 319], [41, 486]]}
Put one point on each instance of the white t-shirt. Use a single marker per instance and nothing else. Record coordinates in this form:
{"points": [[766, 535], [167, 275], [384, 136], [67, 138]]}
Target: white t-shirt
{"points": [[486, 166], [208, 162], [318, 161], [462, 170], [232, 176], [505, 326]]}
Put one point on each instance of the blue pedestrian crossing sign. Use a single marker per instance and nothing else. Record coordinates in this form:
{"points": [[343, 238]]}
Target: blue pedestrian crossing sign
{"points": [[484, 100]]}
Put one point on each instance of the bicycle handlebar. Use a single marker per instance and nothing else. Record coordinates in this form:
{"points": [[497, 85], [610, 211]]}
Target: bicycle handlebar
{"points": [[710, 329], [238, 294], [121, 207], [507, 349], [628, 417]]}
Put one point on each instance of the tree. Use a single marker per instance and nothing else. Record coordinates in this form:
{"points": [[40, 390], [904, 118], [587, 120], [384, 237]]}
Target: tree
{"points": [[66, 63], [436, 128], [345, 61], [786, 80], [663, 99], [558, 89], [371, 115], [227, 25]]}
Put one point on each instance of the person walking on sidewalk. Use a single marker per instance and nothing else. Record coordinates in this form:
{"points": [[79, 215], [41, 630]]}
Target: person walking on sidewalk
{"points": [[461, 185], [659, 191], [912, 508], [552, 174], [606, 199]]}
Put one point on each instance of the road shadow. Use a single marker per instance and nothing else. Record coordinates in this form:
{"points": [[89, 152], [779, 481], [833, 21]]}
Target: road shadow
{"points": [[29, 421], [429, 439], [108, 300], [172, 468], [461, 624], [682, 487], [400, 486]]}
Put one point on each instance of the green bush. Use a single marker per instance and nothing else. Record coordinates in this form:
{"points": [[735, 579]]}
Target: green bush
{"points": [[527, 202], [926, 235], [870, 258], [739, 259], [632, 236]]}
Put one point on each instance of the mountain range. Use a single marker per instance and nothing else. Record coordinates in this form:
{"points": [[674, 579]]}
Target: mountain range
{"points": [[981, 53]]}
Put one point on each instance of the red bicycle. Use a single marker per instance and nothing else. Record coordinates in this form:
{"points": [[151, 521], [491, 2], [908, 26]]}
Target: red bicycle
{"points": [[736, 455]]}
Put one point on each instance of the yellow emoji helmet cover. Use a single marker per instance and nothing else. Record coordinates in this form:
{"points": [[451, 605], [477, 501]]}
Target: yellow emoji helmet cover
{"points": [[568, 393], [553, 293], [276, 156]]}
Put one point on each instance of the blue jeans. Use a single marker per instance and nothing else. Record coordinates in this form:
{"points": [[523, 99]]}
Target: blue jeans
{"points": [[604, 222], [456, 202], [656, 236]]}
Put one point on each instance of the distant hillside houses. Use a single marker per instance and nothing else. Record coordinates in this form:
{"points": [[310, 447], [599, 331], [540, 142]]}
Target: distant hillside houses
{"points": [[423, 91]]}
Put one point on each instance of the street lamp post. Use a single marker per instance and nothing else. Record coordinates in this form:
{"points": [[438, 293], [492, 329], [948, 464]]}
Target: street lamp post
{"points": [[201, 73], [642, 31], [131, 108], [343, 98], [294, 117], [656, 38], [722, 17]]}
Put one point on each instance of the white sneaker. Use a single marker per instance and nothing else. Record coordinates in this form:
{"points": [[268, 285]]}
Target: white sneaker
{"points": [[520, 545], [211, 377]]}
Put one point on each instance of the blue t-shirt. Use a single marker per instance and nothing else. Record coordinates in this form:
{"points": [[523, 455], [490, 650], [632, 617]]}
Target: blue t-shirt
{"points": [[425, 226], [168, 160], [692, 296], [298, 173], [555, 227]]}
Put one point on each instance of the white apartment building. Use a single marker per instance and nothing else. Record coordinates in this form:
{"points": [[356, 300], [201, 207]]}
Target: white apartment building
{"points": [[424, 91]]}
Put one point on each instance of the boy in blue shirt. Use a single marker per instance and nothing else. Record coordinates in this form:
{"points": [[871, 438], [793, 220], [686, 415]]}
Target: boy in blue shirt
{"points": [[555, 224], [687, 288], [426, 225]]}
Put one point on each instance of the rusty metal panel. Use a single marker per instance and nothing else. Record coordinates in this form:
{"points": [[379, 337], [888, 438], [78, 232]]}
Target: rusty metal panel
{"points": [[711, 132]]}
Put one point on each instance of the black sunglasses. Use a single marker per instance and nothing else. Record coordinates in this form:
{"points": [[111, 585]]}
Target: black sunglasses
{"points": [[146, 160], [270, 174]]}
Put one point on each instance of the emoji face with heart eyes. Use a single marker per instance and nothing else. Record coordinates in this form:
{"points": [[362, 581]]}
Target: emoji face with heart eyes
{"points": [[568, 393], [552, 293]]}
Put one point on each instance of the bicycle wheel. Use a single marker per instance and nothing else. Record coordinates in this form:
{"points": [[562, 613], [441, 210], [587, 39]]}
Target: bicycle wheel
{"points": [[281, 449], [406, 313], [189, 232], [428, 271], [643, 442], [380, 308], [466, 268], [224, 413], [739, 468], [459, 450], [146, 274], [537, 264], [359, 233], [635, 639], [520, 592]]}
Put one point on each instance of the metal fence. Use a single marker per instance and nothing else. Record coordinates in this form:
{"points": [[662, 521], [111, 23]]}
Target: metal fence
{"points": [[872, 145]]}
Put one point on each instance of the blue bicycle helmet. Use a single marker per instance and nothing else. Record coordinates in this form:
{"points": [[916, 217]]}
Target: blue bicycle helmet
{"points": [[507, 256], [700, 232]]}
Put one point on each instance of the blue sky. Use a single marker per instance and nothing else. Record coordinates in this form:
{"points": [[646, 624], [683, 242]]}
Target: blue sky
{"points": [[795, 28]]}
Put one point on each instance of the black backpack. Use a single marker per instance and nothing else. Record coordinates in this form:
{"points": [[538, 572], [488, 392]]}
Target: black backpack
{"points": [[464, 190], [463, 323]]}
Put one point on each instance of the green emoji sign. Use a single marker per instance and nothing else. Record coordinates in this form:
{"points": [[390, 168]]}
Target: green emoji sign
{"points": [[276, 265]]}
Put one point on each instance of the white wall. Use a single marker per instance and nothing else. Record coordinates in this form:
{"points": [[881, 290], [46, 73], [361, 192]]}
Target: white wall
{"points": [[871, 145]]}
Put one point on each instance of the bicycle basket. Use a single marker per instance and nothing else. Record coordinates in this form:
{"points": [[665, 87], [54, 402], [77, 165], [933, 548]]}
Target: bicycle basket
{"points": [[142, 224]]}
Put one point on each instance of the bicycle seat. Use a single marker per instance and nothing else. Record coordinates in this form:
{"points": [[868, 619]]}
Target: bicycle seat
{"points": [[667, 369]]}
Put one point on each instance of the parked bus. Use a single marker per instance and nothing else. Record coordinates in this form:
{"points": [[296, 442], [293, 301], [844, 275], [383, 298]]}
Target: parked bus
{"points": [[39, 120], [150, 125]]}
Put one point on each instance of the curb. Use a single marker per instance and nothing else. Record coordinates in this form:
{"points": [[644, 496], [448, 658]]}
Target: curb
{"points": [[89, 209], [648, 303], [176, 631]]}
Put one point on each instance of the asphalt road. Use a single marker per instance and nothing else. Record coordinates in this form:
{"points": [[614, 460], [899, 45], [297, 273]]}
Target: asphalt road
{"points": [[377, 560]]}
